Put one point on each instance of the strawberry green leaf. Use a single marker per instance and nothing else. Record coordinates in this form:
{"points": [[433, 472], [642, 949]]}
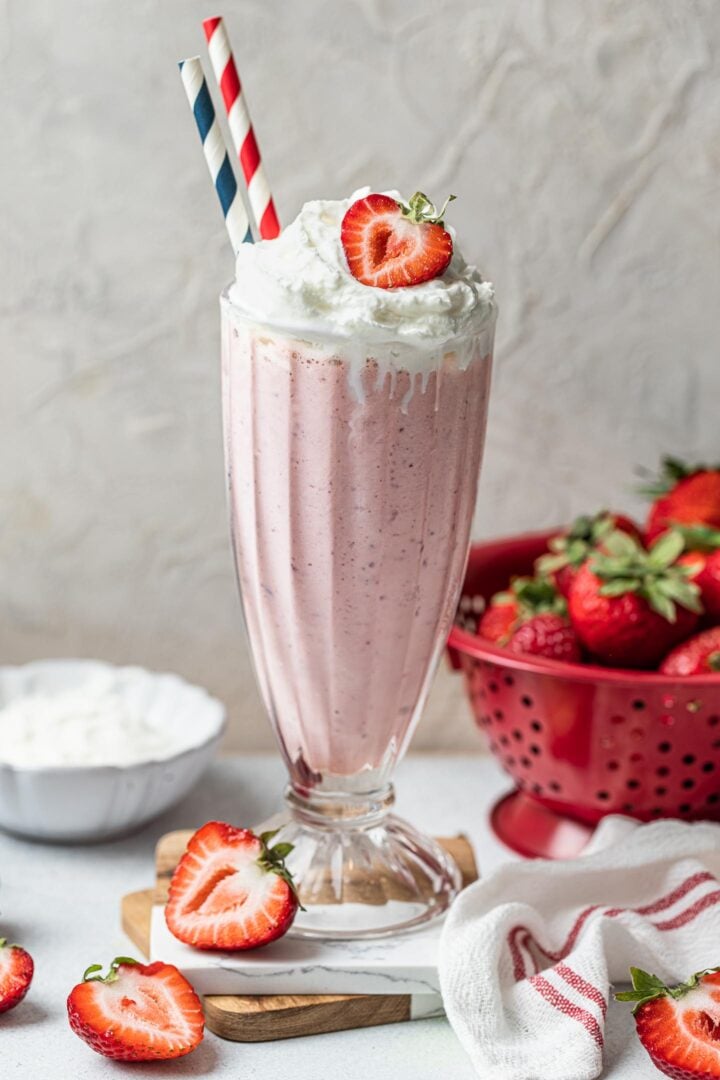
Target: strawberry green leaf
{"points": [[699, 537], [713, 661], [620, 586], [666, 550]]}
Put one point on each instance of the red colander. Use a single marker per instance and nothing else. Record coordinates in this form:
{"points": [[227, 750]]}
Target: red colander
{"points": [[581, 741]]}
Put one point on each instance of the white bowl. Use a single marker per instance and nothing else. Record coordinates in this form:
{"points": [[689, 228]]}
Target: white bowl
{"points": [[76, 804]]}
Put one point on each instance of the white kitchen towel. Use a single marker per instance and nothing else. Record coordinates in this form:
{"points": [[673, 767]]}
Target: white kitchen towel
{"points": [[528, 956]]}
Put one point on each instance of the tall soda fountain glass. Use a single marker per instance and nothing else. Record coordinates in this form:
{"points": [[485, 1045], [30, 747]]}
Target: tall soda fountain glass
{"points": [[352, 469]]}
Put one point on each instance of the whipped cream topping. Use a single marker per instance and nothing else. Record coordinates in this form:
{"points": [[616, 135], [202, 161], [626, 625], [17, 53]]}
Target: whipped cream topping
{"points": [[301, 281]]}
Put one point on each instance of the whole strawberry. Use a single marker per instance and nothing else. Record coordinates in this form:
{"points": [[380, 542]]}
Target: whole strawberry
{"points": [[684, 495], [678, 1026], [525, 598], [389, 244], [699, 655], [137, 1012], [231, 890], [570, 549], [630, 606], [16, 972], [547, 635]]}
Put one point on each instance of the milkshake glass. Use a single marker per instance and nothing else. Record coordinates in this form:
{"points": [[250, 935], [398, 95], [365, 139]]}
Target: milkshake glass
{"points": [[352, 463]]}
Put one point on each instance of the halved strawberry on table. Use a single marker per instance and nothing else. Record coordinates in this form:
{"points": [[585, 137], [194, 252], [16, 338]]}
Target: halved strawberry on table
{"points": [[572, 547], [683, 495], [137, 1012], [231, 890], [679, 1026], [16, 972], [390, 244], [629, 606]]}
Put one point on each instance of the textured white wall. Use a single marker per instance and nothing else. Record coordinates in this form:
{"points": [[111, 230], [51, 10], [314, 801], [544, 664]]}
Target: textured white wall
{"points": [[583, 141]]}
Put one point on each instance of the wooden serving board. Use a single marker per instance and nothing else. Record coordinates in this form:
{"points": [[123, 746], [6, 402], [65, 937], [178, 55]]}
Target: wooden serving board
{"points": [[262, 1018]]}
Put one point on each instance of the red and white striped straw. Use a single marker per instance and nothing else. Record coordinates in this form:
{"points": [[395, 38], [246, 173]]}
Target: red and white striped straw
{"points": [[241, 129]]}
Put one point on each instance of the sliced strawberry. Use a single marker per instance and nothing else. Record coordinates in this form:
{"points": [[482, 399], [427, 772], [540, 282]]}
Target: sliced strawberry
{"points": [[699, 655], [137, 1012], [679, 1026], [547, 635], [231, 890], [388, 244], [16, 972]]}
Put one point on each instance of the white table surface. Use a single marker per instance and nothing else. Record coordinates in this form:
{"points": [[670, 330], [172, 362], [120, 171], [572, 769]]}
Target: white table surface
{"points": [[62, 903]]}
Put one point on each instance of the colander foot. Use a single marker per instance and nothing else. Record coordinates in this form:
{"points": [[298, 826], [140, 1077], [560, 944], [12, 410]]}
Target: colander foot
{"points": [[530, 829]]}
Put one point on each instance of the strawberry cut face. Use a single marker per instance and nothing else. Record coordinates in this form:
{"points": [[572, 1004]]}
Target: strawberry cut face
{"points": [[683, 1036], [388, 248], [139, 1012], [16, 972], [230, 891]]}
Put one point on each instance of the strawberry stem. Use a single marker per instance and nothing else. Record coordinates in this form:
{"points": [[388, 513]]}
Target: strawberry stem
{"points": [[272, 860], [90, 976], [421, 211], [648, 987]]}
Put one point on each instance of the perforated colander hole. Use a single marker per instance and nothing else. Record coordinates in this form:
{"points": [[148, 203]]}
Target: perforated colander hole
{"points": [[509, 760], [525, 762], [684, 808], [504, 740], [536, 725], [664, 747], [714, 798], [660, 791], [527, 701], [708, 766], [689, 759], [713, 720], [534, 749], [638, 704], [554, 786], [517, 734], [662, 770], [613, 766], [537, 789], [499, 714], [656, 811], [603, 796], [493, 687], [633, 784], [628, 807], [508, 680], [688, 784]]}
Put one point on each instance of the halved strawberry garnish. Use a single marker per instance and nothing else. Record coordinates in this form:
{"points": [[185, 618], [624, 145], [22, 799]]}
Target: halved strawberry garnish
{"points": [[137, 1012], [389, 244], [231, 890], [679, 1026], [16, 972]]}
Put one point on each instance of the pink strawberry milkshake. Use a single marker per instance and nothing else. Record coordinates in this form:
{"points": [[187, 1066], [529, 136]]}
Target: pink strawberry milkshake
{"points": [[354, 424]]}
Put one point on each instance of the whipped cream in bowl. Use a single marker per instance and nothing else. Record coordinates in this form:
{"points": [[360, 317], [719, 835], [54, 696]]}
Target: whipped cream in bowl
{"points": [[89, 751], [301, 282]]}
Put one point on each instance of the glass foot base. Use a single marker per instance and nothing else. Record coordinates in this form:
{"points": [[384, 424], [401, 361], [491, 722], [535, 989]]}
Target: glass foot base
{"points": [[360, 871]]}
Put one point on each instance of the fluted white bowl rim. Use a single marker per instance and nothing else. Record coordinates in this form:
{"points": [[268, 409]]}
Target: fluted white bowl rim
{"points": [[214, 714]]}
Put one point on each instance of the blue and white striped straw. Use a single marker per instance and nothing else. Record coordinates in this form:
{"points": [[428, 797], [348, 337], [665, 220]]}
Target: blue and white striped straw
{"points": [[215, 151]]}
